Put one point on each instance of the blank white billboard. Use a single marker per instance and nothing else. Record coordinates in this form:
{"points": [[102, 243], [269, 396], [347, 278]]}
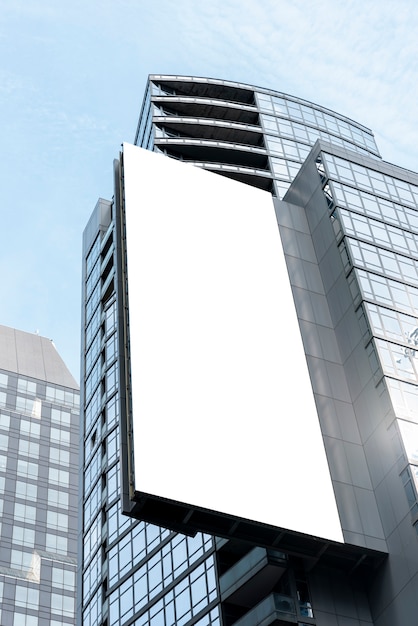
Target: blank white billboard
{"points": [[223, 410]]}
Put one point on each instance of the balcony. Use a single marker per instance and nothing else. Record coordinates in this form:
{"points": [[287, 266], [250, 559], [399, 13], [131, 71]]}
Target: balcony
{"points": [[248, 580], [275, 609]]}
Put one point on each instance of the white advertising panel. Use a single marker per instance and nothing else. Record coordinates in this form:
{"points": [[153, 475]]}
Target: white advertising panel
{"points": [[223, 410]]}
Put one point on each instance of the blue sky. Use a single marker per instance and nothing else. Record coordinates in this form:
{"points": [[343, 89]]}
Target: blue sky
{"points": [[72, 77]]}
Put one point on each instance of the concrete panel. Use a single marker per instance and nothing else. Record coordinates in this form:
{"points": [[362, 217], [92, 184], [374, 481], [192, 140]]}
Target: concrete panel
{"points": [[329, 344], [337, 460], [321, 310], [370, 518], [357, 464], [336, 376], [348, 508], [327, 413], [347, 421], [310, 338]]}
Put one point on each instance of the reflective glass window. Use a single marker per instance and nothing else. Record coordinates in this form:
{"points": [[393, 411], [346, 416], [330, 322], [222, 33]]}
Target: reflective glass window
{"points": [[58, 477], [23, 536], [29, 448], [26, 386], [61, 417], [59, 499], [26, 491], [26, 469], [31, 429], [56, 543]]}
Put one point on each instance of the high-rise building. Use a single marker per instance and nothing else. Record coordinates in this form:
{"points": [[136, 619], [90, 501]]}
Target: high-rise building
{"points": [[39, 420], [347, 223]]}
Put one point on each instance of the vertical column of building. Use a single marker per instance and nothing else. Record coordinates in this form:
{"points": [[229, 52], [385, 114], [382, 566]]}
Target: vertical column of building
{"points": [[38, 493], [376, 222], [374, 212], [131, 572]]}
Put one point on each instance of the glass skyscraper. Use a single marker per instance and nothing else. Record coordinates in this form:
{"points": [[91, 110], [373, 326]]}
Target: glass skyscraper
{"points": [[347, 222], [39, 419]]}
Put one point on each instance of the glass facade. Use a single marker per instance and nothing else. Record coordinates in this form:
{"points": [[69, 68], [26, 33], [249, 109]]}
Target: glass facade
{"points": [[375, 218], [254, 135], [133, 572], [38, 492]]}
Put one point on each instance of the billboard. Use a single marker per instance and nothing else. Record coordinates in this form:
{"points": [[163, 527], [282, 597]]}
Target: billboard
{"points": [[221, 413]]}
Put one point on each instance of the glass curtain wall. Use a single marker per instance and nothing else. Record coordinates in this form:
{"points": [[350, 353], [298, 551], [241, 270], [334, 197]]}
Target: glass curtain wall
{"points": [[375, 218], [38, 501], [132, 572]]}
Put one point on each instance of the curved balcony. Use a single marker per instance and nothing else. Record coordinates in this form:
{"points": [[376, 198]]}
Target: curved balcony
{"points": [[213, 151], [207, 108], [218, 130], [204, 87]]}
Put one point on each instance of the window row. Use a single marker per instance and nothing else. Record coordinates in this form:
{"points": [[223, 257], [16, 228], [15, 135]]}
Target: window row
{"points": [[383, 261], [93, 278], [62, 396], [398, 361], [92, 575], [284, 169], [393, 325], [379, 233], [160, 570], [385, 291], [286, 148], [315, 117], [27, 514], [93, 502], [365, 178], [404, 397], [409, 436], [29, 492], [109, 446], [373, 206], [93, 255], [301, 133], [179, 605]]}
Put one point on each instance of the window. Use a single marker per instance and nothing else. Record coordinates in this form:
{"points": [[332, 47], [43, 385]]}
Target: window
{"points": [[23, 537], [57, 521], [59, 477], [21, 560], [4, 421], [60, 457], [26, 386], [63, 578], [27, 469], [27, 597], [62, 605], [29, 448], [29, 406], [21, 619], [60, 499], [60, 436], [32, 429], [24, 513], [26, 491], [61, 417], [56, 543]]}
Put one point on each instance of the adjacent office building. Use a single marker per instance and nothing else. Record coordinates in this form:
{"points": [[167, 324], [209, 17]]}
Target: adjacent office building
{"points": [[348, 233], [39, 417]]}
